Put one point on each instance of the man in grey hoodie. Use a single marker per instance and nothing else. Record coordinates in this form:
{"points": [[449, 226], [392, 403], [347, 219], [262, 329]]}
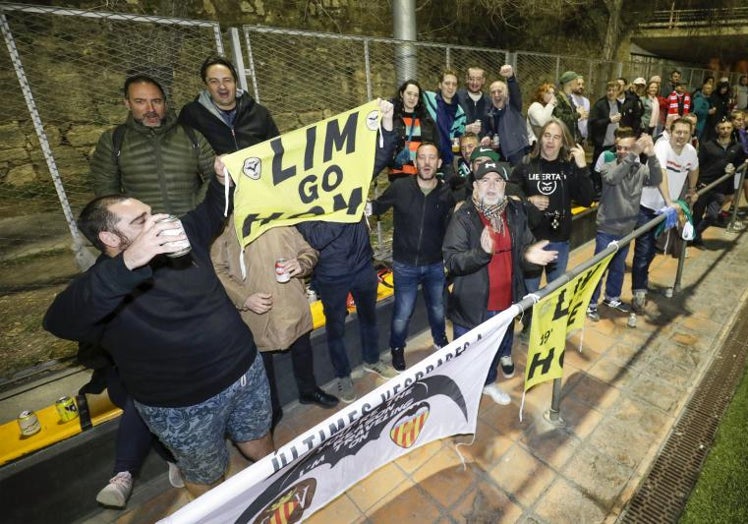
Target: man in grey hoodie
{"points": [[623, 178], [224, 114]]}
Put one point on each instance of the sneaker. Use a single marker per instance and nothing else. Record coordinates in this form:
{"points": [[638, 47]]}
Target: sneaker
{"points": [[592, 313], [116, 493], [175, 476], [439, 345], [398, 358], [381, 368], [615, 303], [346, 393], [638, 302], [507, 366], [497, 394]]}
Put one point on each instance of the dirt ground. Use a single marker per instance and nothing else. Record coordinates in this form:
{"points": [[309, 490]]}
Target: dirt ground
{"points": [[27, 287]]}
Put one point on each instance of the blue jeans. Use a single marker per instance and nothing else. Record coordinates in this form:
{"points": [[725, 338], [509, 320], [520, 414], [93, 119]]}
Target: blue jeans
{"points": [[505, 347], [432, 281], [334, 294], [644, 251], [616, 268]]}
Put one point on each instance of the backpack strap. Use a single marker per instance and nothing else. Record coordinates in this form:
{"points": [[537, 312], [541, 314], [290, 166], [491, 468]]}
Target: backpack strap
{"points": [[118, 136]]}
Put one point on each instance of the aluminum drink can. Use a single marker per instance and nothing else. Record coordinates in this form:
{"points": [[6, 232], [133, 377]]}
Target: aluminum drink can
{"points": [[281, 275], [29, 423], [183, 245], [66, 408]]}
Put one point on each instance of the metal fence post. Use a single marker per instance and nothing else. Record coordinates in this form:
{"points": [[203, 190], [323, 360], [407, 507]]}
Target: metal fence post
{"points": [[236, 54], [83, 257], [553, 415], [252, 72], [732, 227]]}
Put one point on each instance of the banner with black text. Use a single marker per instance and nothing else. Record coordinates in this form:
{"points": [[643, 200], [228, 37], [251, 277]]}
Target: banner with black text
{"points": [[433, 399], [554, 317], [319, 172]]}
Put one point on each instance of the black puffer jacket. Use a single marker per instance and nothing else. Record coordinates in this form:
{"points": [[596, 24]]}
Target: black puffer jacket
{"points": [[420, 220], [467, 263], [253, 123]]}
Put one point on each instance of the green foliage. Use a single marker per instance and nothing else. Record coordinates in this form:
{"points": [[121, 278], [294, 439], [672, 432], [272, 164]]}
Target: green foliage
{"points": [[721, 492]]}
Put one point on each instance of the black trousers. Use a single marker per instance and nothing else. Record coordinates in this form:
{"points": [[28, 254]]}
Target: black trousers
{"points": [[302, 362]]}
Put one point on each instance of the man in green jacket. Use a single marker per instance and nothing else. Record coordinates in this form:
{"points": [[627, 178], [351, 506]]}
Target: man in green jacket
{"points": [[151, 157]]}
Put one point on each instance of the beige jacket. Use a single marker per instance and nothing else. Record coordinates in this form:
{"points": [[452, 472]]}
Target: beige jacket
{"points": [[290, 316]]}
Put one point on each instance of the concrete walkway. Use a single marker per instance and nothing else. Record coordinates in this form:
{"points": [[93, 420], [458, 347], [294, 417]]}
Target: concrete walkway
{"points": [[621, 395]]}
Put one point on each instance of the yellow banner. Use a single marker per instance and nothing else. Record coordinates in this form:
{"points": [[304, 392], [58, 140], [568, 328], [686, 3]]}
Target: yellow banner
{"points": [[553, 318], [319, 172]]}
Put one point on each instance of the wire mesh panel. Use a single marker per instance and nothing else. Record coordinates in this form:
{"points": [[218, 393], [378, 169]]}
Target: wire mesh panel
{"points": [[75, 63], [304, 77]]}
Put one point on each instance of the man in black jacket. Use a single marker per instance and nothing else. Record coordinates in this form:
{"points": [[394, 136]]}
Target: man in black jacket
{"points": [[179, 344], [227, 116], [421, 210], [487, 244]]}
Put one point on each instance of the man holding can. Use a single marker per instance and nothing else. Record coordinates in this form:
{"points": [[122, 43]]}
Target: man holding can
{"points": [[181, 347]]}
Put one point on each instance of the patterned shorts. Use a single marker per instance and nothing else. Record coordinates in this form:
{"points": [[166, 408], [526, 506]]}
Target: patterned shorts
{"points": [[196, 434]]}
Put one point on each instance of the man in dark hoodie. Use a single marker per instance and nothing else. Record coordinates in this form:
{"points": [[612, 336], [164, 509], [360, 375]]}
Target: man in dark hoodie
{"points": [[227, 116], [180, 346]]}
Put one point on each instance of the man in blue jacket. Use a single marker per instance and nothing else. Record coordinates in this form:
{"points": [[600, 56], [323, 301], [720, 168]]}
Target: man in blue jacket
{"points": [[422, 205], [504, 118], [345, 266]]}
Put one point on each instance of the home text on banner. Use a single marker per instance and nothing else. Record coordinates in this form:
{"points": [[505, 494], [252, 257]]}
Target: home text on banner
{"points": [[553, 318], [433, 399], [319, 172]]}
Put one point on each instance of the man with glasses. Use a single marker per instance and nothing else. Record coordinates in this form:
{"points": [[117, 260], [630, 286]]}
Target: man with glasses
{"points": [[473, 101]]}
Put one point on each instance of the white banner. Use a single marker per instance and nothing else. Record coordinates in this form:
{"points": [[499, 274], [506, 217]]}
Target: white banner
{"points": [[433, 399]]}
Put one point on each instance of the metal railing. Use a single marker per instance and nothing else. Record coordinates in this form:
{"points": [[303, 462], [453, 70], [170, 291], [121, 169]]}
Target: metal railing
{"points": [[553, 415], [688, 18]]}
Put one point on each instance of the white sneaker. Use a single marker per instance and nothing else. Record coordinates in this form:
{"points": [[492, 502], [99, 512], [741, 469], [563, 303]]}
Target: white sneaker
{"points": [[116, 493], [381, 368], [175, 476], [497, 394]]}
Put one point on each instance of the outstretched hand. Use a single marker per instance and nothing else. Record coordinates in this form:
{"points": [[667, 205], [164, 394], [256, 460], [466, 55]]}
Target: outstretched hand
{"points": [[537, 254]]}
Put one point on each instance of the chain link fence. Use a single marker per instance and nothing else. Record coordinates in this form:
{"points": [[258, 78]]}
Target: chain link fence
{"points": [[71, 66], [62, 71]]}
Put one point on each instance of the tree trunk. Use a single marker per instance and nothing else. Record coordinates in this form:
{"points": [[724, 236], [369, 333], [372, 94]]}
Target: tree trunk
{"points": [[613, 33]]}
